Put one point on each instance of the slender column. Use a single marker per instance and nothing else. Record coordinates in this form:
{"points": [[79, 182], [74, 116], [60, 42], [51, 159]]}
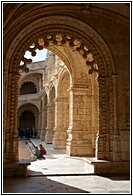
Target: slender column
{"points": [[101, 135], [61, 122], [40, 85], [50, 124], [79, 142], [11, 139], [39, 123], [5, 95], [12, 166], [116, 135], [95, 108], [44, 118], [44, 124]]}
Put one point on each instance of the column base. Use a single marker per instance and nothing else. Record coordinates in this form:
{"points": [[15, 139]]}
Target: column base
{"points": [[80, 149], [42, 135], [108, 167], [49, 136], [60, 144], [16, 168]]}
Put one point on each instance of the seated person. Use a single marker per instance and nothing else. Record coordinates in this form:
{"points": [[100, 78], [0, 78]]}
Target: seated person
{"points": [[36, 155], [42, 150], [37, 152]]}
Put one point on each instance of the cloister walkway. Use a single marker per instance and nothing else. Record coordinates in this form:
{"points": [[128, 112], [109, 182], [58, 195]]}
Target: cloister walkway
{"points": [[57, 162]]}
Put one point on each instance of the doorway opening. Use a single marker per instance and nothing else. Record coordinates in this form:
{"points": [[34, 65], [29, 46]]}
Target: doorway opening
{"points": [[27, 119]]}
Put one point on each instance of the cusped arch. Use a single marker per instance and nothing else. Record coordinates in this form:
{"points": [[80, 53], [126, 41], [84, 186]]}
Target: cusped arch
{"points": [[33, 78], [28, 87], [28, 105], [83, 38]]}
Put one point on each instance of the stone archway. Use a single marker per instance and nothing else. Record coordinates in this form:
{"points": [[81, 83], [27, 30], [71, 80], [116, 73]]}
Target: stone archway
{"points": [[62, 39], [32, 112], [102, 58], [27, 119]]}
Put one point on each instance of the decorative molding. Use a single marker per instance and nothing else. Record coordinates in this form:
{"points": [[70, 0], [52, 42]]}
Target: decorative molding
{"points": [[85, 39]]}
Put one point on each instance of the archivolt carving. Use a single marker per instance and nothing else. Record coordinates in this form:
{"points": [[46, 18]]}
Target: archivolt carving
{"points": [[86, 40]]}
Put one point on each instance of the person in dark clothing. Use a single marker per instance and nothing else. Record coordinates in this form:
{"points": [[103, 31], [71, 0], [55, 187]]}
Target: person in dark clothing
{"points": [[31, 133]]}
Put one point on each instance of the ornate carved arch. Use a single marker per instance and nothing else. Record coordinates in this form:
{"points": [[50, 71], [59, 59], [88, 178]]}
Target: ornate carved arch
{"points": [[82, 37], [70, 32]]}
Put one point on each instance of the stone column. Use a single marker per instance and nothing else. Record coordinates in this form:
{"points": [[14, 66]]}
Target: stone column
{"points": [[50, 124], [101, 135], [116, 135], [5, 111], [11, 139], [61, 122], [95, 109], [11, 166], [44, 124], [39, 123], [40, 85], [44, 119], [107, 141], [79, 142], [42, 135]]}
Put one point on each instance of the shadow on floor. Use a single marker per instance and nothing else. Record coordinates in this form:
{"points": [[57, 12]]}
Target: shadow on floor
{"points": [[114, 177], [36, 185]]}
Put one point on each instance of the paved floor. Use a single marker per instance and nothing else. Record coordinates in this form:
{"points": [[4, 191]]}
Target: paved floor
{"points": [[59, 173], [57, 162]]}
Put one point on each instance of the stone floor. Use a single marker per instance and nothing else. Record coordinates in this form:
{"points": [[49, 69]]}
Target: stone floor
{"points": [[59, 173], [24, 151]]}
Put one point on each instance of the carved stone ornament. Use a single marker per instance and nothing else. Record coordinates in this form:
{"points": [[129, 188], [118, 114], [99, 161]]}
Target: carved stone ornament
{"points": [[84, 39]]}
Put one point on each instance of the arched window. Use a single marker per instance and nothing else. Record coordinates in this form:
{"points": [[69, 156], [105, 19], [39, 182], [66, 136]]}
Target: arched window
{"points": [[28, 88]]}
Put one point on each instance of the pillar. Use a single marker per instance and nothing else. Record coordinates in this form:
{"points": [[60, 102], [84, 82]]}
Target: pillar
{"points": [[116, 135], [11, 164], [108, 139], [79, 142], [44, 119], [61, 122], [101, 134], [95, 108], [50, 124], [11, 139], [39, 123]]}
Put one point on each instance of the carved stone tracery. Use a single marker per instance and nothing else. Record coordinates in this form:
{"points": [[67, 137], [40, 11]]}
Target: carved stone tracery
{"points": [[68, 21]]}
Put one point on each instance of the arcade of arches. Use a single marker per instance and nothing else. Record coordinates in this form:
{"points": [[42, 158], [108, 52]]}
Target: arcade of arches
{"points": [[78, 98]]}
